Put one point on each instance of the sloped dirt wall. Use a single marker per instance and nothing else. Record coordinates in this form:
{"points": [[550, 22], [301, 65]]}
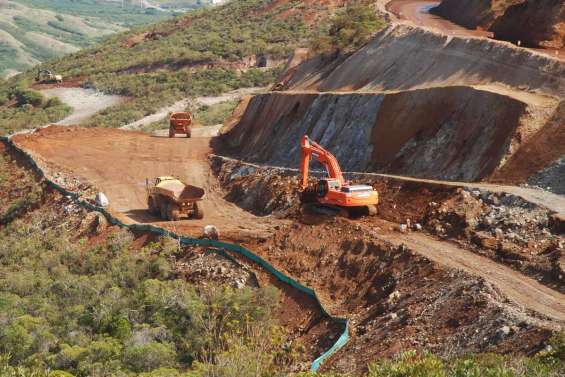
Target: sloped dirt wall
{"points": [[457, 133]]}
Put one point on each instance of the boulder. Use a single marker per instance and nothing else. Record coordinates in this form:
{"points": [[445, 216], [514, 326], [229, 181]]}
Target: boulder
{"points": [[102, 200]]}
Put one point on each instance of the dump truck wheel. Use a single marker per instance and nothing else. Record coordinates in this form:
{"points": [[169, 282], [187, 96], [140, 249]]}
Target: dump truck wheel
{"points": [[153, 209], [164, 210], [171, 132], [173, 212], [188, 134], [198, 212]]}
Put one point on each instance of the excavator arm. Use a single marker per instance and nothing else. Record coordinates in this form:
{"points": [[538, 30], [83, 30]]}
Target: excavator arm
{"points": [[312, 149]]}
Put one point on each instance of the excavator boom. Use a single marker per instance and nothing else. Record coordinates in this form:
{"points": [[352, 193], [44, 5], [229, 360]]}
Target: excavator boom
{"points": [[334, 190], [311, 148]]}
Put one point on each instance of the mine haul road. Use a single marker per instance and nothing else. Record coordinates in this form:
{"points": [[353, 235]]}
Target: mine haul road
{"points": [[118, 162]]}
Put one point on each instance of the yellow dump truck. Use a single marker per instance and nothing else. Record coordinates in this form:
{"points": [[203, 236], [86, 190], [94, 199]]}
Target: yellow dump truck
{"points": [[172, 199]]}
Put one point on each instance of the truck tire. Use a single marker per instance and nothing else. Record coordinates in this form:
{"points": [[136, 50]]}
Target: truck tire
{"points": [[171, 131], [188, 133], [198, 212], [153, 208], [173, 212], [164, 208]]}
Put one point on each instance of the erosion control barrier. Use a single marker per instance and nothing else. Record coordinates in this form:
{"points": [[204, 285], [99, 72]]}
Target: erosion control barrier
{"points": [[188, 241]]}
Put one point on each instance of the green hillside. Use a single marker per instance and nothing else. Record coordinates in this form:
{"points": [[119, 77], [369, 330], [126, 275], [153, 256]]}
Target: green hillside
{"points": [[243, 43], [33, 31]]}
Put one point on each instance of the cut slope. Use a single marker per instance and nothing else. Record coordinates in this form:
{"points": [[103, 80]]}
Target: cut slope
{"points": [[406, 57], [456, 133]]}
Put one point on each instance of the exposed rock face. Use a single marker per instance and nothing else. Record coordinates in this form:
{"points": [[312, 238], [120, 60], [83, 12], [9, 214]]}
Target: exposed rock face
{"points": [[457, 133], [472, 13], [538, 23], [534, 23]]}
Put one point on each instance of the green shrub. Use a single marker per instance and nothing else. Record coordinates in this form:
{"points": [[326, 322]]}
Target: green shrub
{"points": [[350, 29], [150, 356], [30, 97], [215, 114]]}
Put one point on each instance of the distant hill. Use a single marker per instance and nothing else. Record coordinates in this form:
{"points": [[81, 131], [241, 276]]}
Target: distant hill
{"points": [[33, 31]]}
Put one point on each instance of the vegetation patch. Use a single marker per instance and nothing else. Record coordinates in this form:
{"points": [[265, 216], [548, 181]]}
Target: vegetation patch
{"points": [[22, 108], [350, 29], [204, 52], [109, 309]]}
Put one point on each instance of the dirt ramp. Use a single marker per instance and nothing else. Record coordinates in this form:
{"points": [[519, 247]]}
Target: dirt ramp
{"points": [[456, 133], [404, 57]]}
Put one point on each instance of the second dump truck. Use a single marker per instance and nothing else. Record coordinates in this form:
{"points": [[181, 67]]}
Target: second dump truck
{"points": [[172, 199]]}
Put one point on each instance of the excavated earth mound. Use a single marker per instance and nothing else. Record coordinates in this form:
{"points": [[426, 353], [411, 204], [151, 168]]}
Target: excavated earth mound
{"points": [[473, 13]]}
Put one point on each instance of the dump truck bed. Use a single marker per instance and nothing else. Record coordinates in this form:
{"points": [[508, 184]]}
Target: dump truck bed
{"points": [[180, 192]]}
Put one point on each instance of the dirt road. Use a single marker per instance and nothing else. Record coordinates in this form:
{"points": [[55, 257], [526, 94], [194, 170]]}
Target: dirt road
{"points": [[118, 162], [182, 104], [85, 102], [418, 12], [521, 290]]}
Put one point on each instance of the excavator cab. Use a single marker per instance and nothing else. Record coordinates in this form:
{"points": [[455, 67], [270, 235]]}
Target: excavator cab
{"points": [[334, 191]]}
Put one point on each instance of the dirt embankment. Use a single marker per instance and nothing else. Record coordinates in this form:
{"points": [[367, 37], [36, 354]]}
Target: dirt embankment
{"points": [[477, 109], [473, 13], [455, 133], [535, 23], [396, 60], [500, 225]]}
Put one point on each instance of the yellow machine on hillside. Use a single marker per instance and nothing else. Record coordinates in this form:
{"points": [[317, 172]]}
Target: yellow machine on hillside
{"points": [[45, 76], [172, 199]]}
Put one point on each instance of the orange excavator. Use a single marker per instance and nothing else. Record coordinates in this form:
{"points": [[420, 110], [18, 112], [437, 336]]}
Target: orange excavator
{"points": [[334, 191]]}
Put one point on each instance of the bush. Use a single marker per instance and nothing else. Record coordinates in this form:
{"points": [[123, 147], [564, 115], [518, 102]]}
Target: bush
{"points": [[150, 356], [30, 97], [350, 29]]}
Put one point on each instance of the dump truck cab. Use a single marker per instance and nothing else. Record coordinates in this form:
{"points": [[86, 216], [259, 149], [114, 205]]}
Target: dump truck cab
{"points": [[180, 123]]}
